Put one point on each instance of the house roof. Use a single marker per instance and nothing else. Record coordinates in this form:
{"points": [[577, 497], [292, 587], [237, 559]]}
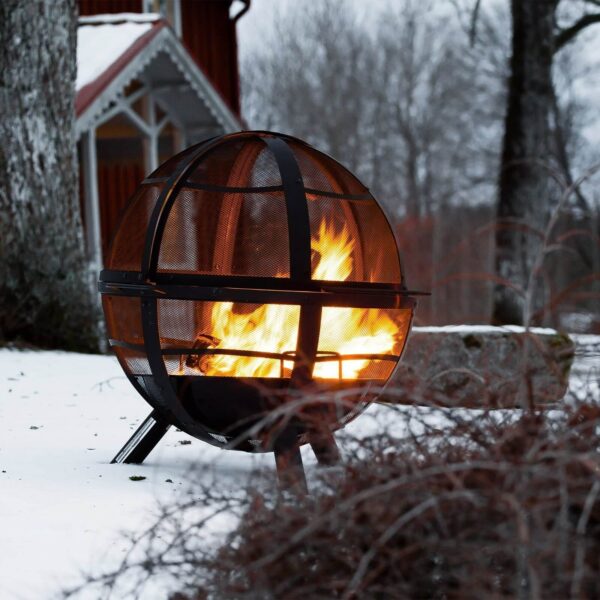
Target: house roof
{"points": [[114, 49]]}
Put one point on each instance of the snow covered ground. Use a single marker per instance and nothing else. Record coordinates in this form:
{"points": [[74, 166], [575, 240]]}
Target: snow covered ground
{"points": [[63, 507]]}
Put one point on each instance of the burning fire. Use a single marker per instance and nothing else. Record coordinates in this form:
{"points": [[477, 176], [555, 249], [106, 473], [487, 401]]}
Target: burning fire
{"points": [[273, 328]]}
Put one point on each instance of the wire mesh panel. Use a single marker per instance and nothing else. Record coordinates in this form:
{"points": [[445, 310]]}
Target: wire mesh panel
{"points": [[217, 233], [124, 326], [242, 339], [135, 362], [123, 318], [351, 241], [127, 246], [320, 172], [355, 337], [237, 163]]}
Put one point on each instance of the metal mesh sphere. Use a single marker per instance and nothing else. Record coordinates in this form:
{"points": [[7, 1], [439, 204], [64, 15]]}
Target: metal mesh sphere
{"points": [[245, 269]]}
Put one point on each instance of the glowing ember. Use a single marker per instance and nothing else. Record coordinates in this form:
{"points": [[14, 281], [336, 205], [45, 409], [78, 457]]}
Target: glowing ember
{"points": [[273, 328]]}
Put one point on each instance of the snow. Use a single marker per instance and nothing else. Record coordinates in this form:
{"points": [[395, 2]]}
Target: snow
{"points": [[62, 505], [64, 508], [484, 329], [120, 17], [102, 39]]}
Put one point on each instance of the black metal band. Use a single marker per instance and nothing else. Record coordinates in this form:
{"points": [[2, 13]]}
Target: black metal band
{"points": [[346, 298], [282, 357], [296, 208], [299, 234], [247, 281], [309, 329], [167, 395], [340, 196], [225, 189], [285, 356]]}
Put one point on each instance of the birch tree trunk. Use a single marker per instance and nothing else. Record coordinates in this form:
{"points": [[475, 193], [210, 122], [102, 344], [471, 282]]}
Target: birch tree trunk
{"points": [[45, 293], [524, 195]]}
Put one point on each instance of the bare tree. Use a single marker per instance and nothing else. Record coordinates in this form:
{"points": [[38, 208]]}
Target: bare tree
{"points": [[525, 187], [313, 77], [45, 292], [401, 100], [415, 103], [440, 98], [405, 102]]}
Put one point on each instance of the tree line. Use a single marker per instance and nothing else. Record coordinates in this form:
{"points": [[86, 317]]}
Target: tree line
{"points": [[466, 133]]}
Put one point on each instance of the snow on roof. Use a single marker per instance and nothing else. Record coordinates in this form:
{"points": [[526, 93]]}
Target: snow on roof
{"points": [[114, 49], [120, 17], [102, 39]]}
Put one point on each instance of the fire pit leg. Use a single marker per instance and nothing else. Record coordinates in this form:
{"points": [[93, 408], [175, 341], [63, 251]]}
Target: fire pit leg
{"points": [[290, 469], [325, 449], [143, 441]]}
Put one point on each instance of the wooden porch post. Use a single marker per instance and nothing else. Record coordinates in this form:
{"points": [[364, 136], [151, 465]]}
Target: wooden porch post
{"points": [[93, 238], [92, 203], [152, 133]]}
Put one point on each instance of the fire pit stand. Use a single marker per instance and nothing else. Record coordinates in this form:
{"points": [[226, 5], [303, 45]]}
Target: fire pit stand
{"points": [[248, 273], [286, 449], [144, 440]]}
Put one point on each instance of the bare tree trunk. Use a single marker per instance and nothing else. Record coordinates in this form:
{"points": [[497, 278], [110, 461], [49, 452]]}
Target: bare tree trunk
{"points": [[524, 182], [45, 294]]}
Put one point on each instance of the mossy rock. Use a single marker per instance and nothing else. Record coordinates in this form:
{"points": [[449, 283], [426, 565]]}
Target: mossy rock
{"points": [[479, 367]]}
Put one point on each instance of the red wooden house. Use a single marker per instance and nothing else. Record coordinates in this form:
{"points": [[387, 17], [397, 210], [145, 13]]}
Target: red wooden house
{"points": [[153, 76]]}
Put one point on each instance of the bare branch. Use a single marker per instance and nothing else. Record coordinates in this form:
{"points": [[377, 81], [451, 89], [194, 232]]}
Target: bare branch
{"points": [[568, 34], [474, 19]]}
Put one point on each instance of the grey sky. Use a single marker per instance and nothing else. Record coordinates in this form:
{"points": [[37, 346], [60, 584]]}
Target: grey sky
{"points": [[260, 18]]}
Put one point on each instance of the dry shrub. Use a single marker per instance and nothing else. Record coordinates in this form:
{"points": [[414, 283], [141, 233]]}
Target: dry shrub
{"points": [[482, 508], [462, 504]]}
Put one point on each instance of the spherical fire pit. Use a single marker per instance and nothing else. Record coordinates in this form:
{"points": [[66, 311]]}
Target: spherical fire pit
{"points": [[247, 270]]}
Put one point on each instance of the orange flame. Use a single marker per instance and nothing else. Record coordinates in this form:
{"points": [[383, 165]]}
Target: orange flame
{"points": [[273, 328]]}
